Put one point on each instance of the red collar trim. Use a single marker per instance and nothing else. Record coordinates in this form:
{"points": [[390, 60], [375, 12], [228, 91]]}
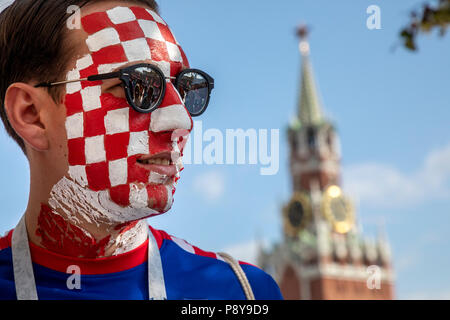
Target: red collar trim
{"points": [[112, 264], [5, 242]]}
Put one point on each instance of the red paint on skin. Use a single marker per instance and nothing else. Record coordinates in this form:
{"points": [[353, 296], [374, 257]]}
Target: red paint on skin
{"points": [[98, 176], [88, 72], [129, 31], [116, 145], [74, 103], [136, 173], [120, 195], [109, 54], [158, 195], [93, 123], [110, 102], [160, 142], [60, 236], [95, 22], [158, 50], [141, 13], [76, 151]]}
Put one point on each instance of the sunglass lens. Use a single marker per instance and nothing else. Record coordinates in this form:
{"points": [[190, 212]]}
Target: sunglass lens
{"points": [[146, 88], [194, 89]]}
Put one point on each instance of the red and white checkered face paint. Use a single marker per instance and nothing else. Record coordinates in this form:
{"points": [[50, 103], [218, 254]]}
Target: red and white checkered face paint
{"points": [[106, 136]]}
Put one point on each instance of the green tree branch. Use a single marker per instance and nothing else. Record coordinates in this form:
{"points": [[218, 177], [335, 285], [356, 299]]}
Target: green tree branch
{"points": [[430, 17]]}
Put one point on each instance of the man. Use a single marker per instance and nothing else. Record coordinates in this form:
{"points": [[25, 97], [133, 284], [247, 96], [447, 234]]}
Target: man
{"points": [[102, 113]]}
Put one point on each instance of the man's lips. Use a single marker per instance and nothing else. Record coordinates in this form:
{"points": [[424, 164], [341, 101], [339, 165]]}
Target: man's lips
{"points": [[164, 158], [160, 163]]}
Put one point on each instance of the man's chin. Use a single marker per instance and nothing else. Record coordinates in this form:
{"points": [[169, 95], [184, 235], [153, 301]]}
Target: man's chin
{"points": [[144, 199]]}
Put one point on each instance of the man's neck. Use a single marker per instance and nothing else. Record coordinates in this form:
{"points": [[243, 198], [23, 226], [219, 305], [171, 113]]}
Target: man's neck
{"points": [[74, 237], [62, 218]]}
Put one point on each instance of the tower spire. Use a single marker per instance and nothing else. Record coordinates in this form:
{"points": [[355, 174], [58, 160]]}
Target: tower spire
{"points": [[309, 108]]}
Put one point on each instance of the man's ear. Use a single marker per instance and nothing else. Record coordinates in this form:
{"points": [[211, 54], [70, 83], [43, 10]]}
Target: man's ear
{"points": [[24, 105]]}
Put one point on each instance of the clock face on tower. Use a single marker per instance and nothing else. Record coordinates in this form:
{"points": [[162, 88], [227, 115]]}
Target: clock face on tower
{"points": [[338, 209], [297, 214]]}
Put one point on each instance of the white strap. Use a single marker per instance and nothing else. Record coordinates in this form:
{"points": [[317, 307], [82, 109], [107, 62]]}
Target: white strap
{"points": [[22, 265], [156, 285], [240, 275]]}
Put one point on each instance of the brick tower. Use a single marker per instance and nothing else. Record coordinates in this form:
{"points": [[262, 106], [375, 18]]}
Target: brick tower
{"points": [[323, 254]]}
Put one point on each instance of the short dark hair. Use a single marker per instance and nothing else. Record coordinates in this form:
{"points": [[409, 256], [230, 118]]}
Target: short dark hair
{"points": [[33, 47]]}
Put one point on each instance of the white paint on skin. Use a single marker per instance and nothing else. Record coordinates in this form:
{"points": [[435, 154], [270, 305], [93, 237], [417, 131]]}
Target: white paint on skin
{"points": [[131, 238], [78, 174], [138, 143], [164, 66], [118, 172], [75, 126], [169, 202], [73, 200], [138, 196], [107, 68], [151, 29], [157, 178], [177, 159], [136, 50], [120, 15], [84, 62], [174, 52], [68, 195], [95, 149], [91, 98], [104, 38], [170, 117], [117, 121]]}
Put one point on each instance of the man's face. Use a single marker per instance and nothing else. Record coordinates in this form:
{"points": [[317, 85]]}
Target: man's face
{"points": [[109, 143]]}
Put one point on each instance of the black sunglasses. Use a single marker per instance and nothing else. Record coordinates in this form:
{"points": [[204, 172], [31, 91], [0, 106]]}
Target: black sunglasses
{"points": [[145, 86]]}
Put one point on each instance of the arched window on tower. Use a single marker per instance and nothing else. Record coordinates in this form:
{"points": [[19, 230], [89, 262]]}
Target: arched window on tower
{"points": [[294, 140], [330, 139], [311, 136]]}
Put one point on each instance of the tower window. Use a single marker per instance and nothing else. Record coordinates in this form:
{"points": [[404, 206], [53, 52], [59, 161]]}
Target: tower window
{"points": [[329, 140], [311, 135]]}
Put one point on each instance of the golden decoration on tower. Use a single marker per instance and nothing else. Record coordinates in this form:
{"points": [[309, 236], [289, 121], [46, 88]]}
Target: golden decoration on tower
{"points": [[297, 214], [338, 209]]}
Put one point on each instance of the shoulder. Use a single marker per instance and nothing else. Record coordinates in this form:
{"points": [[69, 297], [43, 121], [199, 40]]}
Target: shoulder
{"points": [[205, 268], [263, 285], [164, 239]]}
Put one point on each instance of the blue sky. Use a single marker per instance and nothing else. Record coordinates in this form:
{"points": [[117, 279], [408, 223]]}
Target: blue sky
{"points": [[390, 106]]}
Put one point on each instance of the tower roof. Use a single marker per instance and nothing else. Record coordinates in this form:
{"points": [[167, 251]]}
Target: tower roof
{"points": [[309, 106]]}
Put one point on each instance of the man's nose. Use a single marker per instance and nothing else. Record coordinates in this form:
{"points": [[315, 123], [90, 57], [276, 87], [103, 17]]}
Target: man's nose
{"points": [[171, 114]]}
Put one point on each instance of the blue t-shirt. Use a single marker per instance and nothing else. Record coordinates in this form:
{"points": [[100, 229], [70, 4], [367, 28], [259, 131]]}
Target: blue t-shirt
{"points": [[189, 273]]}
